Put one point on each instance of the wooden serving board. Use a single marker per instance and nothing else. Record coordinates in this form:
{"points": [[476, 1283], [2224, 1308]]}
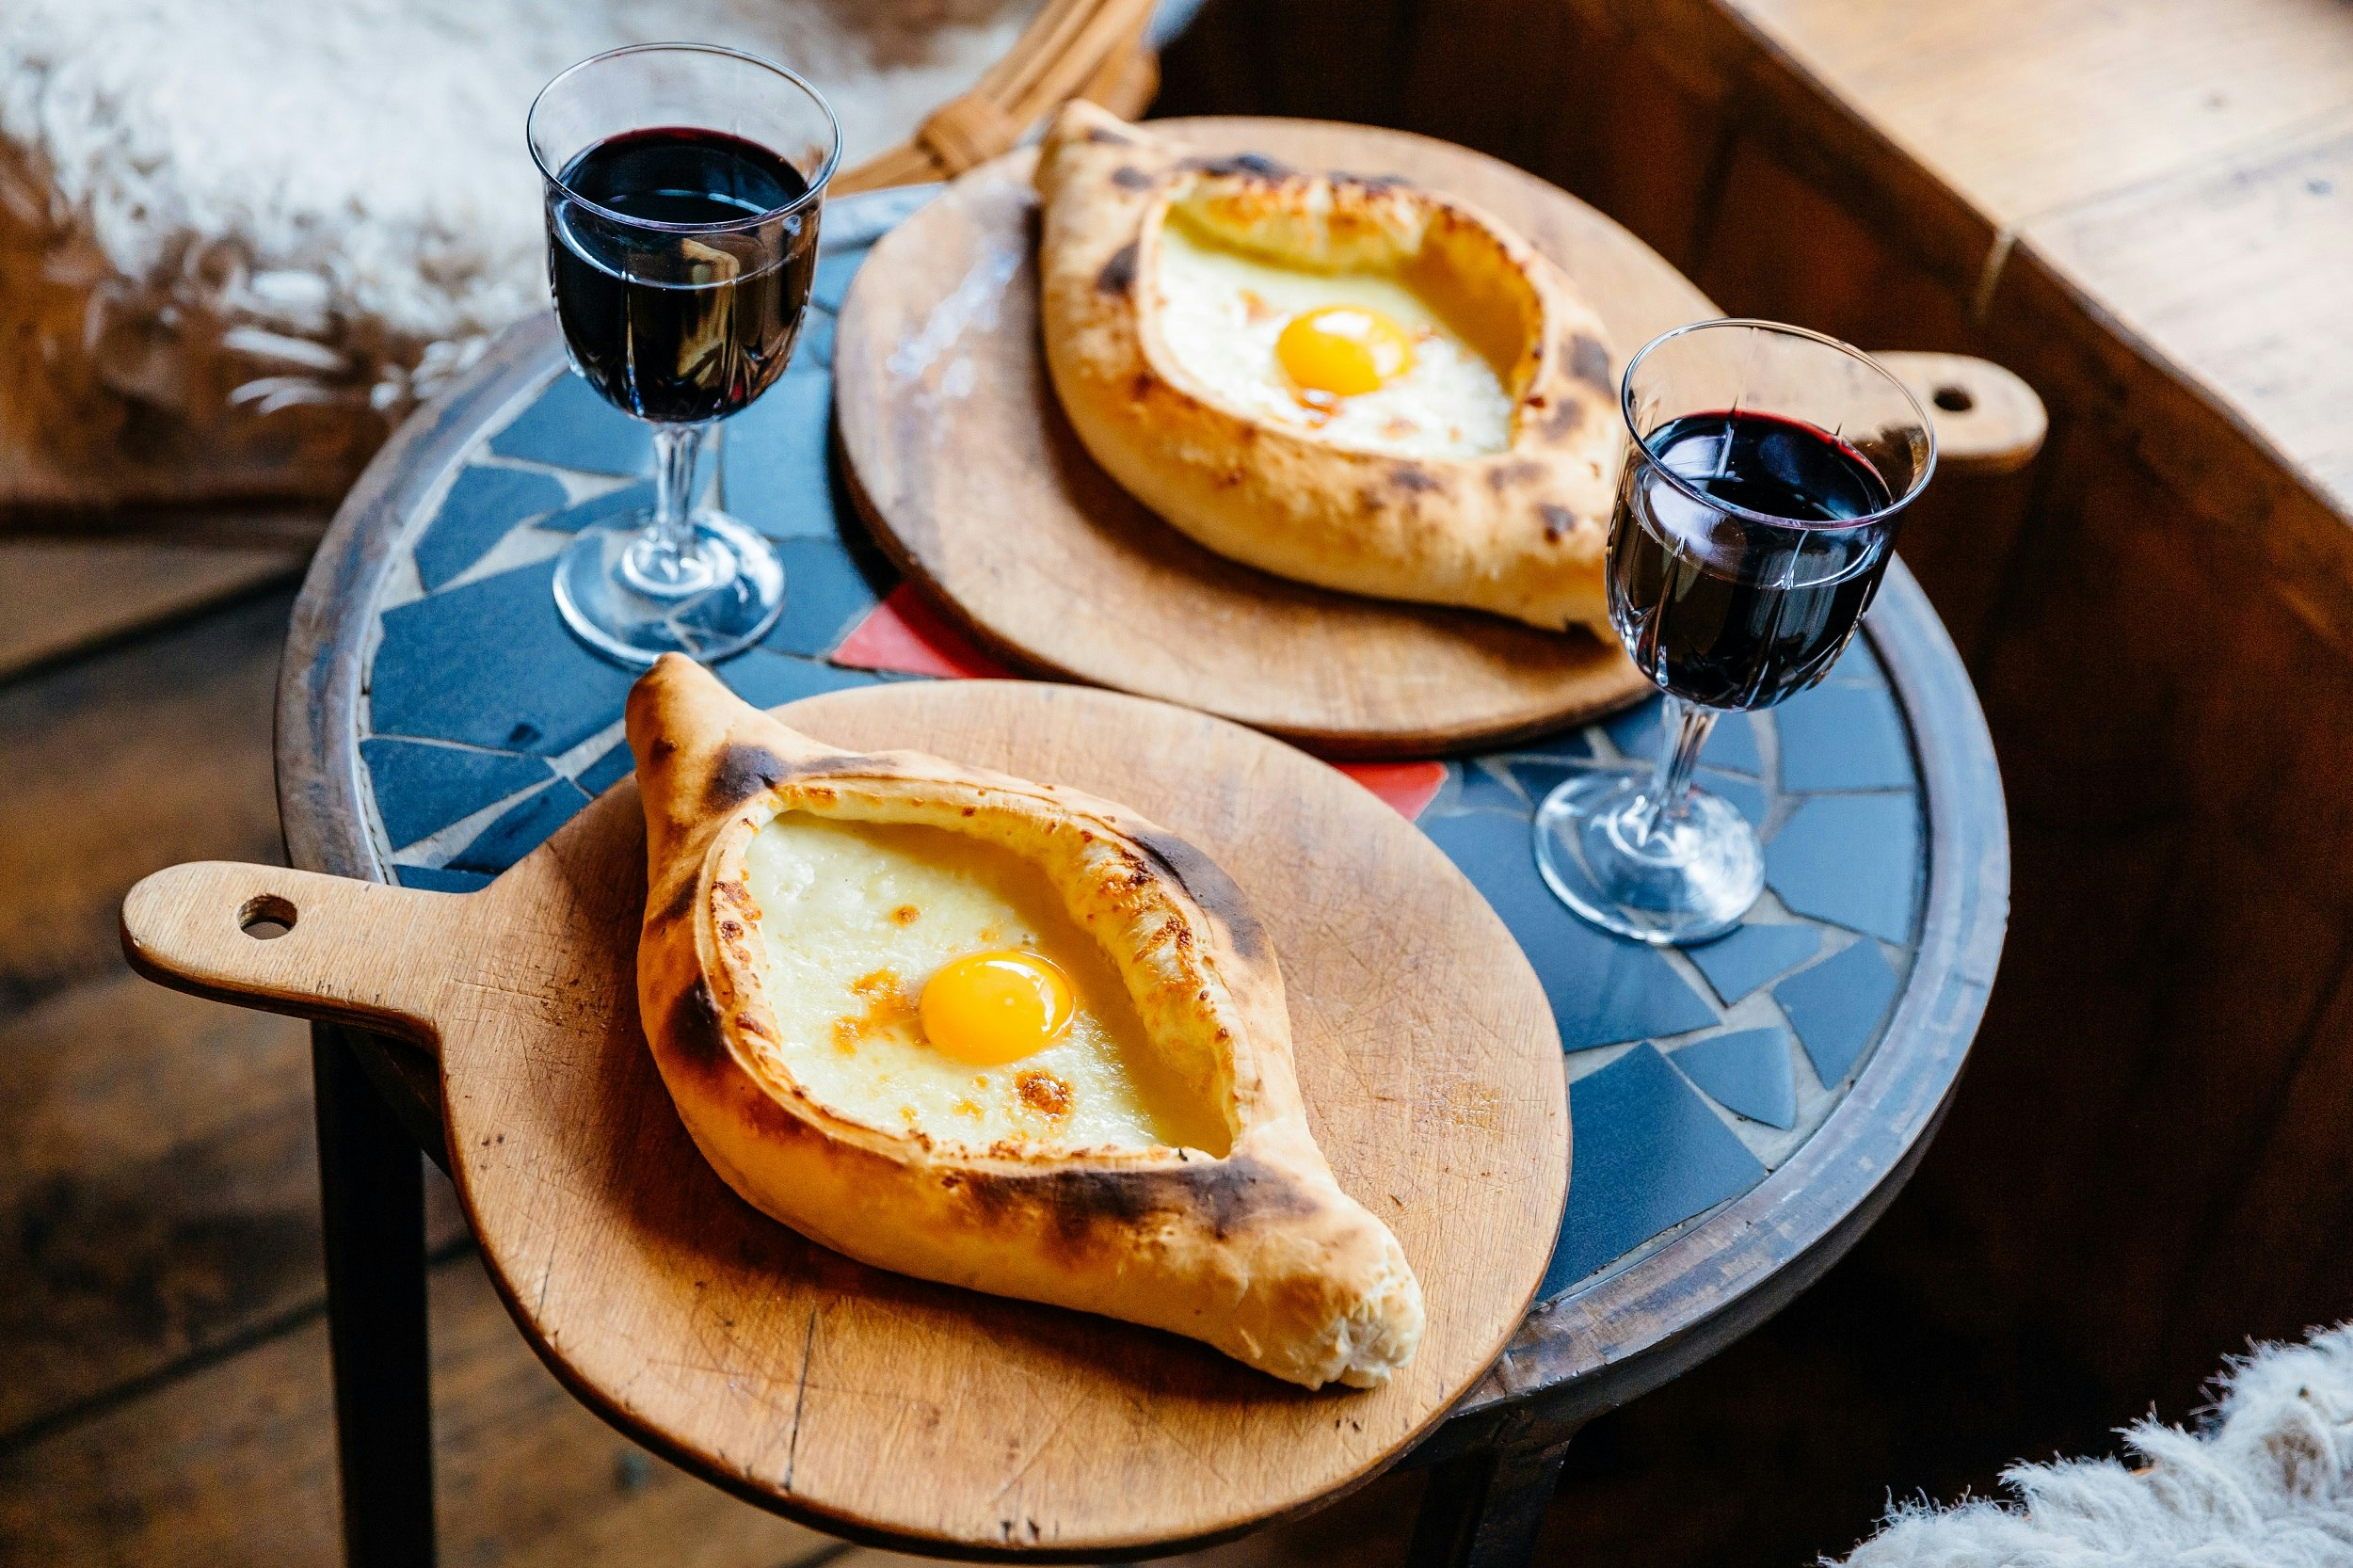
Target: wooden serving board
{"points": [[972, 480], [889, 1408]]}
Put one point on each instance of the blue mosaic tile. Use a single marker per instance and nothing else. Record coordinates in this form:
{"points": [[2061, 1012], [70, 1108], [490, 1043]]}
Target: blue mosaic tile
{"points": [[607, 770], [1480, 789], [572, 427], [825, 596], [491, 664], [772, 679], [1646, 1153], [612, 504], [624, 499], [440, 879], [1747, 1074], [1852, 859], [521, 830], [481, 507], [1843, 738], [1837, 1006], [1752, 954], [1556, 751], [422, 788], [1746, 795], [812, 352], [834, 272], [1539, 776], [1602, 990], [778, 468], [1732, 744]]}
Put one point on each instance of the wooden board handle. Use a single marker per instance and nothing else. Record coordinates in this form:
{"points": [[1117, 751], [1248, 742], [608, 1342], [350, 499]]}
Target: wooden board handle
{"points": [[1988, 420], [290, 941]]}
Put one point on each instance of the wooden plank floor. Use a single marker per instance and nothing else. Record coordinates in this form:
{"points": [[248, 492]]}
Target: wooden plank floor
{"points": [[164, 1391]]}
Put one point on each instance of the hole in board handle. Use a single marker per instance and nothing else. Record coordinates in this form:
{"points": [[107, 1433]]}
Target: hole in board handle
{"points": [[1954, 400], [267, 917]]}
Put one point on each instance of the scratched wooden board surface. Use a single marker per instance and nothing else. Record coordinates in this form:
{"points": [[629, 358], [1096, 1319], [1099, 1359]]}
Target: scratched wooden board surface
{"points": [[988, 500], [884, 1406]]}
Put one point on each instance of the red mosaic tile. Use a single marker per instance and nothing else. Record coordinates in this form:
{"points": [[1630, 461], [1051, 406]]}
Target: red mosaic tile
{"points": [[1406, 786], [904, 633]]}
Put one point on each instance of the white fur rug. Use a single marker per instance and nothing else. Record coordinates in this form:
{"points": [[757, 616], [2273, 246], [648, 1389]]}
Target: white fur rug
{"points": [[2269, 1484], [216, 214]]}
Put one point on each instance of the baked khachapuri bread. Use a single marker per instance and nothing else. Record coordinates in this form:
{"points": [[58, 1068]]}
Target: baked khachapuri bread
{"points": [[995, 1034], [1346, 380]]}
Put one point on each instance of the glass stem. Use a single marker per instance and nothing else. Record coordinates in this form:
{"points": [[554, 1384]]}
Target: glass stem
{"points": [[675, 447], [1684, 726]]}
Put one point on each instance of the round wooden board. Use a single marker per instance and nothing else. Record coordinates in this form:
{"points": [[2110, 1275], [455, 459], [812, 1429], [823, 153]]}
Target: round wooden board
{"points": [[963, 464], [889, 1408]]}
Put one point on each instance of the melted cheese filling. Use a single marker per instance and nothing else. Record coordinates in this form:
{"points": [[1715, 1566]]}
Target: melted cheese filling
{"points": [[855, 916], [1223, 309]]}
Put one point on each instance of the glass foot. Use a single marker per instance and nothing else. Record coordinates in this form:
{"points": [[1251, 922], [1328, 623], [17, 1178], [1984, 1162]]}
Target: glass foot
{"points": [[1685, 880], [632, 600]]}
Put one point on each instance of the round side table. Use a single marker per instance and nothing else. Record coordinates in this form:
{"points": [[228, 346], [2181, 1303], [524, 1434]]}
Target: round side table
{"points": [[1742, 1110]]}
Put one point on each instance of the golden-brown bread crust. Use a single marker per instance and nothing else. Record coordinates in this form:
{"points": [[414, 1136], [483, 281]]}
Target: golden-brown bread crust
{"points": [[1519, 533], [1258, 1253]]}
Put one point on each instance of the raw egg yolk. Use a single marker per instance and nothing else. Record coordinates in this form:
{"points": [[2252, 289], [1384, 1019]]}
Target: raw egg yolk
{"points": [[1343, 350], [990, 1008]]}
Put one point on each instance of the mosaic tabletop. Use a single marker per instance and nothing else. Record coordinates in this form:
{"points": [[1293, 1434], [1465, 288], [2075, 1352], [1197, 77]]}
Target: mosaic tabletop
{"points": [[483, 724]]}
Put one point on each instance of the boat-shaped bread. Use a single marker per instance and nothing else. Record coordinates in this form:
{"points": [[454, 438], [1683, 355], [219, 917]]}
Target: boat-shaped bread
{"points": [[995, 1034], [1344, 379]]}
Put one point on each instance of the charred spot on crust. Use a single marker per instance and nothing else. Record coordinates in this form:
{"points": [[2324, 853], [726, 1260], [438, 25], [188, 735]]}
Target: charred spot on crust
{"points": [[743, 771], [1211, 889], [1129, 177], [1559, 521], [694, 1029], [1414, 478], [1565, 417], [660, 751], [1105, 135], [1374, 182], [1119, 274], [1588, 361], [1237, 1188], [1256, 164], [1086, 1208], [1517, 472], [680, 901]]}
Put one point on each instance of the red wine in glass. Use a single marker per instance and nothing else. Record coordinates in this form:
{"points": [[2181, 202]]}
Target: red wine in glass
{"points": [[683, 186], [672, 319], [1756, 515], [1740, 584]]}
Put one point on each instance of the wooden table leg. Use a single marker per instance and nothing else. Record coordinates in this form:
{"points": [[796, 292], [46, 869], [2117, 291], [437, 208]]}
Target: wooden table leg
{"points": [[371, 1202], [1484, 1508]]}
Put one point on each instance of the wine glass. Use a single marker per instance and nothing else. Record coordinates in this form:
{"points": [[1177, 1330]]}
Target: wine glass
{"points": [[684, 185], [1755, 515]]}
